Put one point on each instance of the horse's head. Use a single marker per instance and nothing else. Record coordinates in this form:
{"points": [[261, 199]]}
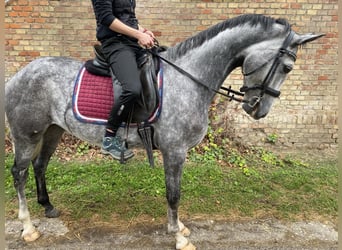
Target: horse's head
{"points": [[265, 67]]}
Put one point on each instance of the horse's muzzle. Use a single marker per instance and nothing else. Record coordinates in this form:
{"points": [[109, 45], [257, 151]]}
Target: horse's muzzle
{"points": [[252, 104]]}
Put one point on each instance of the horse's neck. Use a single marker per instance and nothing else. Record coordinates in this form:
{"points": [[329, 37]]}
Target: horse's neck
{"points": [[213, 61]]}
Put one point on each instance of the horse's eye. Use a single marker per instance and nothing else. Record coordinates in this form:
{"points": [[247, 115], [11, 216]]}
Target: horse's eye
{"points": [[287, 68]]}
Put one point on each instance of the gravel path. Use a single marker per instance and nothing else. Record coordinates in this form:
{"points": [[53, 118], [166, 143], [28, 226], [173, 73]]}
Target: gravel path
{"points": [[206, 234]]}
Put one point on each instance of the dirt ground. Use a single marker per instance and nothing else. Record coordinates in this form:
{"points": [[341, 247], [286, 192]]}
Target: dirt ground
{"points": [[206, 234]]}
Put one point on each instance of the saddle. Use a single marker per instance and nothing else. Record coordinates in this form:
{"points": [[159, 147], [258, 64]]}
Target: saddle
{"points": [[149, 67]]}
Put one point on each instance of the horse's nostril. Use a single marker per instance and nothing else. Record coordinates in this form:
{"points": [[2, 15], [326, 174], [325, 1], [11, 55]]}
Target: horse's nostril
{"points": [[246, 107]]}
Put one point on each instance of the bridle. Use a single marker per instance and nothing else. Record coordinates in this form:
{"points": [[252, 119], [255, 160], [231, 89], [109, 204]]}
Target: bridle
{"points": [[265, 89], [230, 93]]}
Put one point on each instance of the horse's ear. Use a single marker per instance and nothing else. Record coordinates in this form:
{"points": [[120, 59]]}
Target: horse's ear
{"points": [[305, 38]]}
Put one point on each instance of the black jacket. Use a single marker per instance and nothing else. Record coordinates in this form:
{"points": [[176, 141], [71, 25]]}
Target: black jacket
{"points": [[107, 10]]}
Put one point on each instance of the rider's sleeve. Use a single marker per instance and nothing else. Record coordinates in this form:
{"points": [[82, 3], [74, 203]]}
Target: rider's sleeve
{"points": [[104, 12]]}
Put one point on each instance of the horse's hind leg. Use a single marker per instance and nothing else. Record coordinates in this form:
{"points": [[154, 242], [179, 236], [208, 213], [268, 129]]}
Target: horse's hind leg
{"points": [[50, 141], [23, 154]]}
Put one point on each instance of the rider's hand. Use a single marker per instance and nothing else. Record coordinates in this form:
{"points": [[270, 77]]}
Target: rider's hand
{"points": [[146, 39], [150, 33]]}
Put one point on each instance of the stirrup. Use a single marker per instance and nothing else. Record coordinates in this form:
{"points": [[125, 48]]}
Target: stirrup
{"points": [[122, 154], [145, 133], [124, 141]]}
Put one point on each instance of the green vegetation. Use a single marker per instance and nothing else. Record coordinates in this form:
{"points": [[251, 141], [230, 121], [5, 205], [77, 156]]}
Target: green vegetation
{"points": [[229, 184]]}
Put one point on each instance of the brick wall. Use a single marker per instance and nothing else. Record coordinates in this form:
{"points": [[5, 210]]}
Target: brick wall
{"points": [[304, 116]]}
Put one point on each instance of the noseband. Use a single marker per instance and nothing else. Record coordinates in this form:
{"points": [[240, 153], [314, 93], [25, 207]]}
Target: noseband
{"points": [[264, 86]]}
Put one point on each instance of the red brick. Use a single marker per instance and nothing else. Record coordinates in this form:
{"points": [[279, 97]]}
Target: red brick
{"points": [[323, 78], [29, 53], [237, 11], [296, 6], [206, 11], [13, 42]]}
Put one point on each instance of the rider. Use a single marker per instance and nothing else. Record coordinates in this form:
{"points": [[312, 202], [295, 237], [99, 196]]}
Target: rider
{"points": [[123, 41]]}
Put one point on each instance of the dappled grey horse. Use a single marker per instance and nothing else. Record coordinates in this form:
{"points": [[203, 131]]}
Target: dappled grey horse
{"points": [[38, 102]]}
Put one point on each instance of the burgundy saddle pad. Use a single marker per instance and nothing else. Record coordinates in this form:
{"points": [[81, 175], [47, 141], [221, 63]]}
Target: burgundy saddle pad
{"points": [[93, 97]]}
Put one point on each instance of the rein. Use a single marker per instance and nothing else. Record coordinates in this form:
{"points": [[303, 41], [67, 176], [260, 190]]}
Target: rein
{"points": [[230, 93], [226, 92]]}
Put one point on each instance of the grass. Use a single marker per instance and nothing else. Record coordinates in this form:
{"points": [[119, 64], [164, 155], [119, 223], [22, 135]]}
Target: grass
{"points": [[259, 183]]}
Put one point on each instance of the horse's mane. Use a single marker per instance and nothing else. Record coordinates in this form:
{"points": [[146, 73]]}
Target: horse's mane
{"points": [[252, 19]]}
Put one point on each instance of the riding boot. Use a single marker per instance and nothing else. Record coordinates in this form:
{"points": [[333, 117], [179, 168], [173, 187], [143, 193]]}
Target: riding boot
{"points": [[114, 145]]}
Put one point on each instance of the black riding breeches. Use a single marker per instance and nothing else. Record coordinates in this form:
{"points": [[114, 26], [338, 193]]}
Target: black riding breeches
{"points": [[122, 55]]}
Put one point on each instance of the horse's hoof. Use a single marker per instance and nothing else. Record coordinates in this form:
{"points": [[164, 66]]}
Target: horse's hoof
{"points": [[190, 246], [32, 236], [183, 243], [52, 213], [185, 232]]}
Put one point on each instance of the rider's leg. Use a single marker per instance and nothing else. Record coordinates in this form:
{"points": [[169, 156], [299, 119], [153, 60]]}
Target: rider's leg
{"points": [[122, 60]]}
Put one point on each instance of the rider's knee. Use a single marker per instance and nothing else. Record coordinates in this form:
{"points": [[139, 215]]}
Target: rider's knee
{"points": [[135, 93]]}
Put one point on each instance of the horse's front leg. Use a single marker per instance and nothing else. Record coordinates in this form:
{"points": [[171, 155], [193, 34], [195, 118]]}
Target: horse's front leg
{"points": [[173, 166]]}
